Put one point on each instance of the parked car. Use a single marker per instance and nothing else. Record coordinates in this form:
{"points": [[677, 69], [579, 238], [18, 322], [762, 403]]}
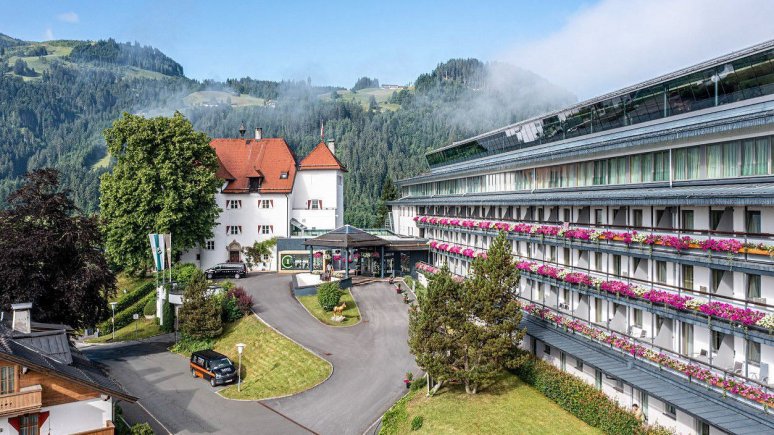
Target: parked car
{"points": [[236, 270], [212, 366]]}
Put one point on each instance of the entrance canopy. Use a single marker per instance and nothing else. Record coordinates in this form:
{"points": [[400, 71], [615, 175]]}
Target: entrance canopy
{"points": [[347, 237]]}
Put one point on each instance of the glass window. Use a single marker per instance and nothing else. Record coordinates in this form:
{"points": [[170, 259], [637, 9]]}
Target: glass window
{"points": [[7, 379], [660, 167], [716, 216], [637, 218], [547, 349], [617, 265], [578, 364], [753, 286], [731, 159], [670, 410], [687, 219], [637, 317], [598, 219], [598, 261], [755, 156], [714, 161], [716, 277], [752, 221], [661, 272], [688, 276], [600, 172], [28, 424], [753, 352]]}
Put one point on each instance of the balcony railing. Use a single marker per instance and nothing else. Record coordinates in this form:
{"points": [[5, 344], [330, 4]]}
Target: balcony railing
{"points": [[748, 247], [28, 399], [109, 429]]}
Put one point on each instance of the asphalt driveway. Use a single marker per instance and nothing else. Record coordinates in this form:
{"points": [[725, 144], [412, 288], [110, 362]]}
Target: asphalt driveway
{"points": [[369, 362]]}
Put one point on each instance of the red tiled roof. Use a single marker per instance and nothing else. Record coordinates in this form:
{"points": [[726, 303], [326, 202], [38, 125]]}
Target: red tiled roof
{"points": [[321, 158], [241, 159]]}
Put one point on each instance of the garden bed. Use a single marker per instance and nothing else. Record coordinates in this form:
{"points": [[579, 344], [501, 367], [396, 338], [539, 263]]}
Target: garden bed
{"points": [[351, 313]]}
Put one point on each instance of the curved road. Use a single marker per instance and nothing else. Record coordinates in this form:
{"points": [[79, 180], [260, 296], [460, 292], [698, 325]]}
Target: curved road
{"points": [[369, 359], [369, 362]]}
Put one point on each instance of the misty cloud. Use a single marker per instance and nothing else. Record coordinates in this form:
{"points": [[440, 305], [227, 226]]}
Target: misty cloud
{"points": [[68, 17], [617, 43], [48, 34]]}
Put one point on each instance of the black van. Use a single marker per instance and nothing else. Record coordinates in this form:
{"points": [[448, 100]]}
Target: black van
{"points": [[230, 270], [213, 366]]}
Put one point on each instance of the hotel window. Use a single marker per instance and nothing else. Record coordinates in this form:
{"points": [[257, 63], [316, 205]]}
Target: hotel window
{"points": [[547, 349], [598, 261], [661, 272], [566, 214], [687, 220], [600, 172], [716, 277], [541, 213], [267, 203], [619, 173], [28, 424], [637, 218], [314, 204], [753, 352], [716, 216], [598, 379], [233, 203], [566, 256], [598, 213], [617, 265], [687, 162], [234, 229], [266, 229], [578, 364], [209, 245], [619, 385], [687, 276], [752, 222], [7, 379], [702, 427], [670, 410], [755, 156], [661, 166], [566, 297], [552, 254], [753, 286], [716, 340], [637, 317]]}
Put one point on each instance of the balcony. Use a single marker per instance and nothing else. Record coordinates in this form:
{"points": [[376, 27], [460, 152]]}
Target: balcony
{"points": [[28, 399], [741, 252], [109, 429]]}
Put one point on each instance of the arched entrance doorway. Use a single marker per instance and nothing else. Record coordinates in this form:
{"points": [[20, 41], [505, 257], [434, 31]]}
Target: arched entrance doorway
{"points": [[234, 252]]}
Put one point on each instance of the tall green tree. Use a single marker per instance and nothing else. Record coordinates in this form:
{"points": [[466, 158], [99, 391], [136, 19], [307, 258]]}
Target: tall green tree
{"points": [[491, 336], [389, 193], [50, 255], [435, 327], [163, 181], [200, 315]]}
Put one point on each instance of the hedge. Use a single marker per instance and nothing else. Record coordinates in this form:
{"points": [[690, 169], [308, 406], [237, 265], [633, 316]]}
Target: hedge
{"points": [[124, 317], [579, 398], [135, 295]]}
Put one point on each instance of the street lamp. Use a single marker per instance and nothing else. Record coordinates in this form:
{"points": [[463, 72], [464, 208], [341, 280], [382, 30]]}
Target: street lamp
{"points": [[240, 348], [113, 320]]}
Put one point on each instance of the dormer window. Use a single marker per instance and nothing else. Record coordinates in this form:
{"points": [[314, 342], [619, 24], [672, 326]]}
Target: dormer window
{"points": [[255, 183], [283, 175]]}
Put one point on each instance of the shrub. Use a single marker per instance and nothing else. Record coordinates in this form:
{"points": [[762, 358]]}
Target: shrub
{"points": [[416, 422], [182, 273], [419, 384], [578, 397], [125, 316], [328, 295], [168, 311], [227, 285], [200, 315], [188, 345], [243, 300], [230, 310], [141, 429], [150, 308]]}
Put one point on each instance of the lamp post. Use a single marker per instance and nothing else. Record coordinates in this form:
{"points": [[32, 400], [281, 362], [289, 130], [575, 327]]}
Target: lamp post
{"points": [[240, 348], [113, 319]]}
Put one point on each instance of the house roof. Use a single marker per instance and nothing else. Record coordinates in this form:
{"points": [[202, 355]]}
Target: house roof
{"points": [[321, 157], [242, 159], [46, 352]]}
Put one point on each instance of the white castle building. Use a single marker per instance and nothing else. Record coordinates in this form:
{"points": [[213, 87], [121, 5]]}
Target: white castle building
{"points": [[643, 225], [267, 193]]}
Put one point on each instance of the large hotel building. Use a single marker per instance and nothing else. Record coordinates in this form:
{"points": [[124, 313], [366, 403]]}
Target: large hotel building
{"points": [[643, 225]]}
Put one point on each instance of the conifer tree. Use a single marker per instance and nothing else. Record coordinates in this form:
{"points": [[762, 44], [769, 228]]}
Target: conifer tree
{"points": [[200, 315]]}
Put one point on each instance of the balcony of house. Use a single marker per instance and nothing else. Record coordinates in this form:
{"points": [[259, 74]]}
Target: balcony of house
{"points": [[27, 399], [109, 429], [654, 358], [721, 249]]}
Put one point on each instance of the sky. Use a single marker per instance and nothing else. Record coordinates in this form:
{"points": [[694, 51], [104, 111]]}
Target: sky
{"points": [[588, 47]]}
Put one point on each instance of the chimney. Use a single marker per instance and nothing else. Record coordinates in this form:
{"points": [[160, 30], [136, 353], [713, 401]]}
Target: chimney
{"points": [[242, 130], [331, 146], [21, 317], [258, 133]]}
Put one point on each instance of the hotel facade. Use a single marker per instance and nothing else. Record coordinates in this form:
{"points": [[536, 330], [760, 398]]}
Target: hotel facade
{"points": [[642, 222]]}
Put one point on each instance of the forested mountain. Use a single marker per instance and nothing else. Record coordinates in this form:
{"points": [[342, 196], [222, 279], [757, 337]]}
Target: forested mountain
{"points": [[56, 117]]}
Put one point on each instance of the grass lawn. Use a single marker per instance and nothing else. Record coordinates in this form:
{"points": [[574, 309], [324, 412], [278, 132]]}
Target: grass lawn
{"points": [[144, 328], [351, 314], [508, 407], [272, 365]]}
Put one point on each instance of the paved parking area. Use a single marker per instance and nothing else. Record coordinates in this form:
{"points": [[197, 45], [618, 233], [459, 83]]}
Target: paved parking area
{"points": [[369, 360]]}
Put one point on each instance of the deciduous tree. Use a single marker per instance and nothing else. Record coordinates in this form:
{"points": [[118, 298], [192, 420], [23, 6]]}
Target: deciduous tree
{"points": [[50, 255], [163, 182]]}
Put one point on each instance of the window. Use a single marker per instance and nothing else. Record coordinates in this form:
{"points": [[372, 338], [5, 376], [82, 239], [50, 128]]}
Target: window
{"points": [[283, 175], [566, 296], [541, 214], [266, 229], [716, 276], [234, 229], [547, 349], [552, 254], [598, 213], [670, 410], [637, 218], [209, 245], [566, 213], [598, 379], [752, 222], [314, 204], [753, 286], [702, 427], [716, 339], [267, 203], [687, 276], [598, 261], [255, 183], [715, 217], [7, 379], [687, 219], [637, 317], [578, 364], [619, 385], [233, 203], [566, 256], [661, 272], [563, 361], [753, 352], [28, 424], [617, 265]]}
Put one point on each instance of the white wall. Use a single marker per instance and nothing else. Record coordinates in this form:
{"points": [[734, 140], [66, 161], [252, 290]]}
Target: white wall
{"points": [[323, 185], [71, 417]]}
